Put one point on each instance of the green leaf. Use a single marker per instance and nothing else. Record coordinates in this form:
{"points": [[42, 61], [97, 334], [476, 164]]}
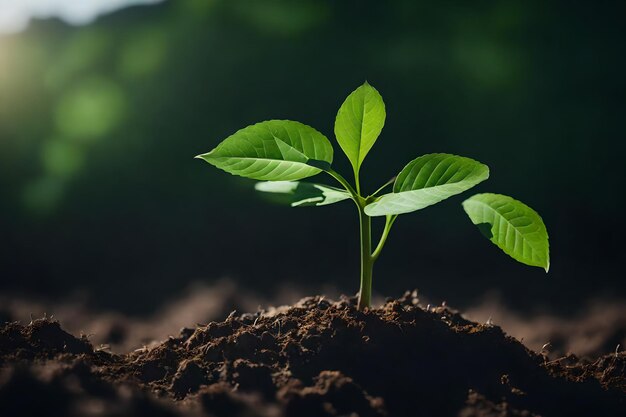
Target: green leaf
{"points": [[428, 180], [274, 150], [303, 193], [359, 121], [513, 226]]}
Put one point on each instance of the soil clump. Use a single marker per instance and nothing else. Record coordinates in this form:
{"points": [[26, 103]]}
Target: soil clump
{"points": [[315, 358]]}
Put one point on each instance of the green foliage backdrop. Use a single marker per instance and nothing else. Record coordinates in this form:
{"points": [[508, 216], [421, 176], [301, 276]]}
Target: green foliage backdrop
{"points": [[99, 125]]}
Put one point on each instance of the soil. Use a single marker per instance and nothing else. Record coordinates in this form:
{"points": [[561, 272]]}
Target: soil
{"points": [[315, 358]]}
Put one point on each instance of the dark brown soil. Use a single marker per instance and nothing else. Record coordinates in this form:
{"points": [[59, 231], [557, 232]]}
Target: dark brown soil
{"points": [[316, 358]]}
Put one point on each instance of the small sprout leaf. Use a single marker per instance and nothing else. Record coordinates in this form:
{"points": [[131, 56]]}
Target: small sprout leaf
{"points": [[359, 121], [513, 226], [303, 193], [275, 150], [427, 180]]}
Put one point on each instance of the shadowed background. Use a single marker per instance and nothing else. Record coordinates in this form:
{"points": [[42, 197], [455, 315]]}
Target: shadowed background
{"points": [[100, 197]]}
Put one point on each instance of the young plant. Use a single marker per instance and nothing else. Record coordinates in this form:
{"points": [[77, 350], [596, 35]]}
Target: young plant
{"points": [[281, 152]]}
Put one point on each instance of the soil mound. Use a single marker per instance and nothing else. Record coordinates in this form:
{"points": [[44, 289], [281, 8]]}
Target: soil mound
{"points": [[315, 358]]}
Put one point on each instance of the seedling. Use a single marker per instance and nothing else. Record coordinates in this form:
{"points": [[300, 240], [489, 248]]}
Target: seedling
{"points": [[281, 152]]}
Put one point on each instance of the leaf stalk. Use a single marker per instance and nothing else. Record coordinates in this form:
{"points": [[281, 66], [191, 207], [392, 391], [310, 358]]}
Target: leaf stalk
{"points": [[390, 219], [382, 187], [341, 180]]}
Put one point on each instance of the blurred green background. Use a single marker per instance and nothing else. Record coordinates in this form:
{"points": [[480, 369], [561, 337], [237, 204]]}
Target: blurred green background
{"points": [[99, 123]]}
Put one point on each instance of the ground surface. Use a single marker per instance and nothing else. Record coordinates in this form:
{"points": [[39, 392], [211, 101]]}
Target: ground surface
{"points": [[315, 358]]}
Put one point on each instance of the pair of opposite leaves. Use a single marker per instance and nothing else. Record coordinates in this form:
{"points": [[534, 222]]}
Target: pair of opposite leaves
{"points": [[283, 151]]}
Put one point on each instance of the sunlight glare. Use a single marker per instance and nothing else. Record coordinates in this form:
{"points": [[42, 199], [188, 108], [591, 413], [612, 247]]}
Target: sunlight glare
{"points": [[16, 15]]}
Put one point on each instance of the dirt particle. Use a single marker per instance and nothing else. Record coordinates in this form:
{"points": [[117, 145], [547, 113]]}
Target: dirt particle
{"points": [[253, 377], [188, 378], [268, 341], [333, 394], [49, 335], [247, 343], [151, 371], [216, 399]]}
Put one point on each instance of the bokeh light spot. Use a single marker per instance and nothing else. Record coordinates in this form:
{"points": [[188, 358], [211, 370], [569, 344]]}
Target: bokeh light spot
{"points": [[61, 158], [43, 195], [79, 54], [197, 8], [90, 110], [282, 17], [143, 54]]}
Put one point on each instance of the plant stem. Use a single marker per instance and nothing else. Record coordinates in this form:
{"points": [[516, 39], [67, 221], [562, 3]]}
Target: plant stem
{"points": [[367, 261], [365, 227]]}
